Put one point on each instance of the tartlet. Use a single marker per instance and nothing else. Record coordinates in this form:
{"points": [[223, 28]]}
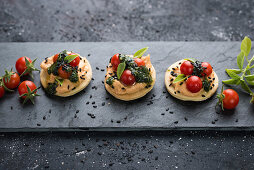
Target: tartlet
{"points": [[64, 74], [137, 79], [180, 89]]}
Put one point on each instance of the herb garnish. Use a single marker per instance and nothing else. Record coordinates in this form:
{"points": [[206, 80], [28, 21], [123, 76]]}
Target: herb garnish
{"points": [[140, 52], [180, 77], [246, 78], [142, 74]]}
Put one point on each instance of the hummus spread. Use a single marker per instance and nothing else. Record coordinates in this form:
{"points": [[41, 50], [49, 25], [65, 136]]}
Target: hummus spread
{"points": [[120, 88], [67, 85]]}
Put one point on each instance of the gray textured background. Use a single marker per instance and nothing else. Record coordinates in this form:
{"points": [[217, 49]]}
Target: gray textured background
{"points": [[181, 20]]}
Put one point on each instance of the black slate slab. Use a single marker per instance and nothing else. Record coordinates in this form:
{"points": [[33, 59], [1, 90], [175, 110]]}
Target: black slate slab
{"points": [[165, 112]]}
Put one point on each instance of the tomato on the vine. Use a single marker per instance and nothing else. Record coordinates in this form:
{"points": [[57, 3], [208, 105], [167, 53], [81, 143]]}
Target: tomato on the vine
{"points": [[139, 62], [62, 73], [76, 61], [115, 61], [25, 66], [186, 68], [127, 78], [194, 84], [2, 91], [21, 65], [11, 79], [27, 90], [207, 69], [228, 98]]}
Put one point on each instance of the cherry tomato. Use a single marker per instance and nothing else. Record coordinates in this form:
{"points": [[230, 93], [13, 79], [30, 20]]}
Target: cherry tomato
{"points": [[62, 73], [2, 91], [21, 65], [194, 84], [186, 68], [207, 69], [231, 99], [13, 82], [55, 57], [115, 61], [127, 78], [23, 88], [139, 62], [76, 61]]}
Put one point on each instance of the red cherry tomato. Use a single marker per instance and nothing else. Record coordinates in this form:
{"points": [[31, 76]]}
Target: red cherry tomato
{"points": [[186, 68], [194, 84], [115, 61], [127, 78], [13, 82], [76, 61], [23, 87], [55, 57], [139, 62], [62, 73], [207, 69], [2, 91], [231, 99], [21, 65]]}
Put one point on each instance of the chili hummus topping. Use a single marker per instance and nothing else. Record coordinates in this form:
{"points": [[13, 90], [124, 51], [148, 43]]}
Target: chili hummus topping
{"points": [[129, 77], [191, 80], [65, 74]]}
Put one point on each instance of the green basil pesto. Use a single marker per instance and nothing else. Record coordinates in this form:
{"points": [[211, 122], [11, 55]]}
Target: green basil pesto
{"points": [[51, 89], [53, 69], [110, 80], [206, 84], [142, 74]]}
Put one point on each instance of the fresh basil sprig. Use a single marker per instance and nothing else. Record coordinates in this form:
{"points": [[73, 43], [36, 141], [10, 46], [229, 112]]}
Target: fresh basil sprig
{"points": [[60, 81], [120, 70], [246, 78], [140, 52], [70, 58], [180, 77]]}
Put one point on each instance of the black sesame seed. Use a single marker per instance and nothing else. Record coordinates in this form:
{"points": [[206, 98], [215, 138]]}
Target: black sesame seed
{"points": [[171, 79], [77, 111], [123, 88], [118, 121], [92, 78], [102, 69], [178, 91], [163, 114], [103, 104], [170, 84], [81, 77], [94, 106], [68, 87], [209, 77], [203, 95], [49, 110], [167, 109], [112, 87], [87, 102], [214, 78], [175, 122], [185, 118], [91, 96], [97, 68], [73, 88], [181, 83], [38, 124], [80, 70], [180, 63], [175, 92], [93, 102], [213, 122], [171, 112], [88, 55], [173, 69]]}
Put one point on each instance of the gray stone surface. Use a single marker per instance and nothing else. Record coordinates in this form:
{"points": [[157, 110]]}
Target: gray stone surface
{"points": [[210, 20], [165, 112]]}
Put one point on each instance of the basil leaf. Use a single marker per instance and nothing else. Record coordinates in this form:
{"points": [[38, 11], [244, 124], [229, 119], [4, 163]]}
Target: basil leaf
{"points": [[231, 82], [233, 75], [240, 60], [245, 87], [237, 71], [246, 46], [140, 52], [249, 77], [180, 77], [120, 70], [193, 60], [60, 81], [248, 72], [70, 58], [250, 82]]}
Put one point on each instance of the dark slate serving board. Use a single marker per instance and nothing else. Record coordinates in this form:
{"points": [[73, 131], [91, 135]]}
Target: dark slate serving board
{"points": [[60, 113]]}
